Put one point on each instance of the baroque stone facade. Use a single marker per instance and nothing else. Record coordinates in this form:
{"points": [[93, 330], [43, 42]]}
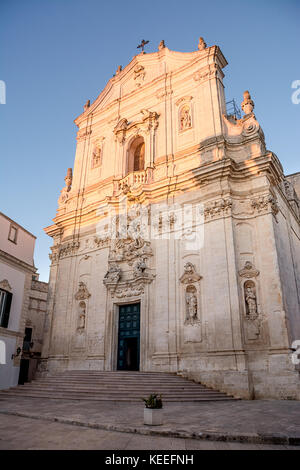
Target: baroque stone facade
{"points": [[180, 209]]}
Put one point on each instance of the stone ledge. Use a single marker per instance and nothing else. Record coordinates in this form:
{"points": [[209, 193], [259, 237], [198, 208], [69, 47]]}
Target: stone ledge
{"points": [[250, 438]]}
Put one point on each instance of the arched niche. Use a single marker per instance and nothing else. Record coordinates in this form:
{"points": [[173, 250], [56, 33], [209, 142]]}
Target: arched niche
{"points": [[136, 155]]}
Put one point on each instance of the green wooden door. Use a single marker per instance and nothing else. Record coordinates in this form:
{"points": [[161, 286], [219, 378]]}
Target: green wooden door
{"points": [[129, 337]]}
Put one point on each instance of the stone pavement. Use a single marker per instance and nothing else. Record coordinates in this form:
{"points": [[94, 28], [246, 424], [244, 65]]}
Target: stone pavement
{"points": [[258, 422], [17, 433]]}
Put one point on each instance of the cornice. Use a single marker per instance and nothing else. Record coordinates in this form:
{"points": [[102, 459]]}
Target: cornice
{"points": [[16, 262]]}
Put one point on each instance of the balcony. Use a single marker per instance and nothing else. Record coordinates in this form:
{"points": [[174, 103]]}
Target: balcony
{"points": [[134, 180]]}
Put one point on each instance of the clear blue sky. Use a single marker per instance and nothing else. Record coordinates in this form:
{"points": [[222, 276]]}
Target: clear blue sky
{"points": [[56, 54]]}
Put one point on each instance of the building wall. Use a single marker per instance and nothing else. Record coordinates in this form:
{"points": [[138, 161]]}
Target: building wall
{"points": [[248, 217], [16, 267]]}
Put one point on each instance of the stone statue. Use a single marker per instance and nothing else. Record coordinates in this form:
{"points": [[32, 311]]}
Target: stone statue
{"points": [[191, 305], [185, 118], [201, 44], [96, 156], [119, 69], [64, 192], [247, 104], [87, 105], [82, 292], [113, 274], [81, 320], [161, 45], [251, 301], [139, 268]]}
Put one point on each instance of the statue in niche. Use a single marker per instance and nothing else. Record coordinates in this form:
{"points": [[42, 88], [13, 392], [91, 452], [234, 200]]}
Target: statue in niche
{"points": [[252, 320], [191, 305], [81, 317], [96, 156], [185, 118], [64, 194], [250, 298]]}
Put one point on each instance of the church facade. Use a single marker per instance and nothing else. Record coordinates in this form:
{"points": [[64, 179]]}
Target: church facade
{"points": [[176, 239]]}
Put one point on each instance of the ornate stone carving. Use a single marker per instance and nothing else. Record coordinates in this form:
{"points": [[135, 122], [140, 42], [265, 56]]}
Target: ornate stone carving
{"points": [[96, 157], [265, 203], [68, 249], [87, 105], [161, 45], [185, 118], [82, 293], [291, 195], [119, 70], [201, 44], [113, 274], [81, 315], [206, 73], [84, 133], [64, 194], [190, 275], [139, 268], [149, 121], [129, 290], [218, 208], [139, 74], [249, 270], [247, 104], [163, 93], [5, 285], [191, 316], [250, 299], [101, 241], [252, 321], [120, 130]]}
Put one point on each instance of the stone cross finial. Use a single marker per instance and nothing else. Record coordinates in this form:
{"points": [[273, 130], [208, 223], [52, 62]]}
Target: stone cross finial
{"points": [[87, 105], [201, 44], [247, 104], [161, 45], [142, 45]]}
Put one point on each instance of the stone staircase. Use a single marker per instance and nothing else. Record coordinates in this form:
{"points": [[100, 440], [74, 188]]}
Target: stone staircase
{"points": [[115, 386]]}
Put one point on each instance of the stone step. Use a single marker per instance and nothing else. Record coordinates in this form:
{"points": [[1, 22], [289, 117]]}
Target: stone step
{"points": [[112, 396], [119, 399], [141, 394], [118, 384], [115, 386]]}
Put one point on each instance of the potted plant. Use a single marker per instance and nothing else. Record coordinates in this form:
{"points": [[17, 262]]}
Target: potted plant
{"points": [[153, 414]]}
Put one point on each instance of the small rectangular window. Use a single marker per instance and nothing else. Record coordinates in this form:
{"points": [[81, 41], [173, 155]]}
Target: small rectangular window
{"points": [[12, 236], [5, 303]]}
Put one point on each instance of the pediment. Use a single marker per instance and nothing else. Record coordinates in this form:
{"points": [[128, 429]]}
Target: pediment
{"points": [[142, 70]]}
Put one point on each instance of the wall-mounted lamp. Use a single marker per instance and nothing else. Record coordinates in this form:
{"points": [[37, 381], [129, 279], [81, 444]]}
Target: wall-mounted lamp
{"points": [[18, 353]]}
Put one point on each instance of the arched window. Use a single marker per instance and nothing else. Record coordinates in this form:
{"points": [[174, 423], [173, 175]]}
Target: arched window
{"points": [[136, 156]]}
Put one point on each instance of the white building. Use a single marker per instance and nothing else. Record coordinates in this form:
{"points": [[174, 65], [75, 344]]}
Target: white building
{"points": [[159, 142], [16, 271]]}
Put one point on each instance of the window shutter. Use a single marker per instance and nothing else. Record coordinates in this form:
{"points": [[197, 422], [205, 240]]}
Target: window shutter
{"points": [[6, 312]]}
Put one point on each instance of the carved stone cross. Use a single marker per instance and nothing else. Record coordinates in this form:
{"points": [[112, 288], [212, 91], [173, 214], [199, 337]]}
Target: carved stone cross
{"points": [[142, 45]]}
